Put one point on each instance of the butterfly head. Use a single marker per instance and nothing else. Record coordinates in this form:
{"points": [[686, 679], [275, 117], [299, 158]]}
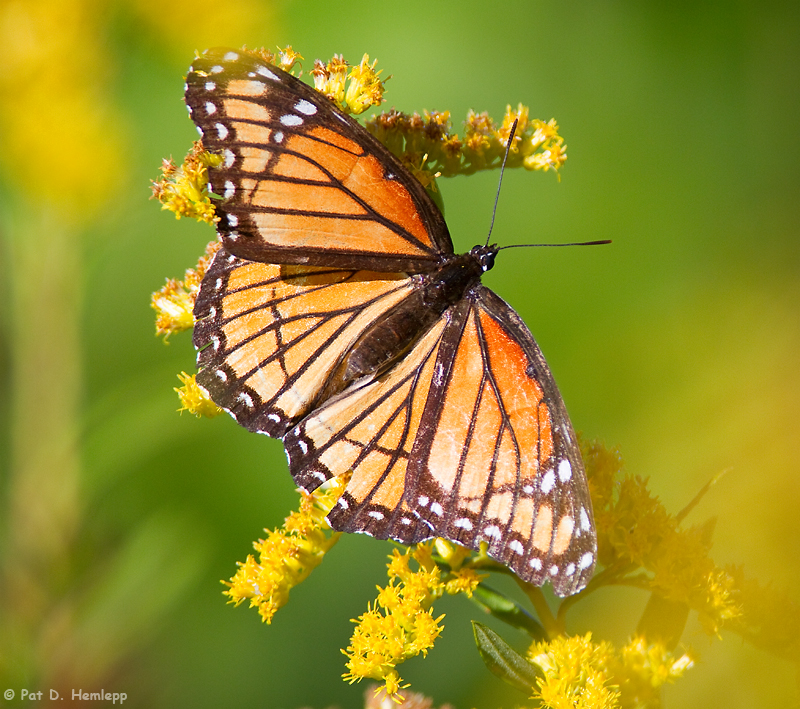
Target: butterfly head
{"points": [[484, 255]]}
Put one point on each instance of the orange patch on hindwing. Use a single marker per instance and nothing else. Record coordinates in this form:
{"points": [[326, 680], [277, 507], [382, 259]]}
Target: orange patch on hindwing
{"points": [[522, 395], [543, 529]]}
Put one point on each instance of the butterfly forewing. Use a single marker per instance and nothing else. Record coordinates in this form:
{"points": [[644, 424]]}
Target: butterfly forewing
{"points": [[301, 182]]}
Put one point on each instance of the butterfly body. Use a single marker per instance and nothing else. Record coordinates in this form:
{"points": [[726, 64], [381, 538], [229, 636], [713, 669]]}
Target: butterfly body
{"points": [[337, 317], [393, 335]]}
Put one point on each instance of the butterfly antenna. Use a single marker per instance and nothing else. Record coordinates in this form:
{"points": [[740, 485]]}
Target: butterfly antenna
{"points": [[500, 181]]}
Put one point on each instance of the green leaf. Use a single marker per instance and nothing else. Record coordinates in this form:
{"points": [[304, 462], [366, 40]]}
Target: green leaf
{"points": [[504, 661], [508, 610], [663, 620]]}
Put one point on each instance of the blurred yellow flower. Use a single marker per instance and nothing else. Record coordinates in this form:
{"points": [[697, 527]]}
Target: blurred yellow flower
{"points": [[174, 303]]}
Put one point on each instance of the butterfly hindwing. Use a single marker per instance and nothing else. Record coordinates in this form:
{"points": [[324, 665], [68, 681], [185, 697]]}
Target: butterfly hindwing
{"points": [[369, 429], [301, 182], [270, 336], [496, 459]]}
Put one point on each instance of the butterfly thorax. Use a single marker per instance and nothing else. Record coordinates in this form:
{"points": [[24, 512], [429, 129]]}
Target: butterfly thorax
{"points": [[396, 331]]}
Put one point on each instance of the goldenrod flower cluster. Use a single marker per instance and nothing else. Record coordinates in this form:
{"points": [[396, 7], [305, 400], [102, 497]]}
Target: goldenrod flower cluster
{"points": [[401, 624], [641, 544], [194, 398], [174, 303], [427, 142], [184, 190], [581, 674], [289, 554], [352, 89]]}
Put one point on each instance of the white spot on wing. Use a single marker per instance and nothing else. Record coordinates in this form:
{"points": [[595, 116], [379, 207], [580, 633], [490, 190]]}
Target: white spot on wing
{"points": [[302, 445], [516, 547], [586, 524], [375, 514], [463, 523], [423, 501], [222, 131], [211, 108], [291, 120], [246, 399], [221, 375], [564, 471], [570, 569], [305, 107], [233, 220], [266, 72], [535, 564], [586, 560], [230, 189], [493, 531], [548, 481], [229, 157], [210, 85], [553, 570], [436, 508], [216, 69], [231, 57], [277, 136]]}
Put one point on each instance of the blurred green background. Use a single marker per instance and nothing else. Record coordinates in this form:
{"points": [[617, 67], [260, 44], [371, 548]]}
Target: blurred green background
{"points": [[678, 344]]}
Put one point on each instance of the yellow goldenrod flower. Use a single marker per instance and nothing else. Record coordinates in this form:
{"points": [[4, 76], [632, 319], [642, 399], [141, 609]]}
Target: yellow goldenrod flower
{"points": [[576, 673], [636, 533], [174, 303], [194, 398], [287, 58], [464, 581], [184, 190], [288, 555], [536, 145], [354, 89], [401, 625], [364, 88], [330, 78], [640, 669]]}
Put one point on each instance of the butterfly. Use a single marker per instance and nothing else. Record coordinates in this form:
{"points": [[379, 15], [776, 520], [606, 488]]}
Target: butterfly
{"points": [[337, 317]]}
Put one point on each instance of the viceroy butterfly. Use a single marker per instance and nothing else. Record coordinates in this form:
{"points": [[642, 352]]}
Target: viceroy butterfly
{"points": [[337, 317]]}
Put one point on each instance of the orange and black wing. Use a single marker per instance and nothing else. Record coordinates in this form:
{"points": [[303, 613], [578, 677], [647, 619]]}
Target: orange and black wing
{"points": [[466, 438], [496, 459], [269, 336], [300, 182]]}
